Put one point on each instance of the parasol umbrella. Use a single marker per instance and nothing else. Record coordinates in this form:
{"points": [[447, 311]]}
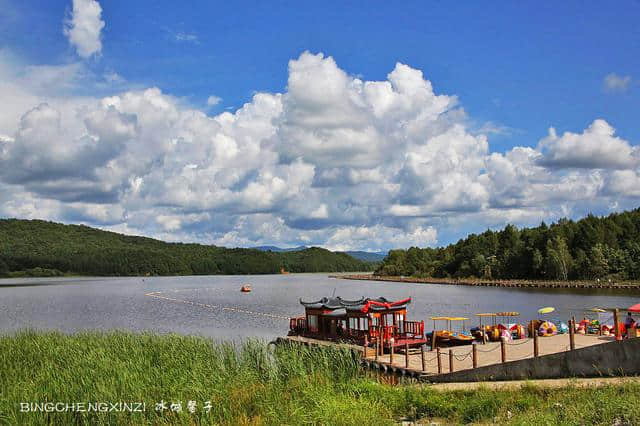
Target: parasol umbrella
{"points": [[634, 308], [546, 310]]}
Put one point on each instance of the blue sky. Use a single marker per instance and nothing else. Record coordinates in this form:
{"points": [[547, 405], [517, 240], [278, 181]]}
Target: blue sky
{"points": [[527, 67], [515, 70]]}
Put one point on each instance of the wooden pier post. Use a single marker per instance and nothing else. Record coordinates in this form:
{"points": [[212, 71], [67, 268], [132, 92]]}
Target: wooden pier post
{"points": [[391, 350], [536, 349], [434, 337], [572, 334], [503, 349], [439, 360], [424, 364], [406, 354], [616, 325], [365, 347], [474, 352], [376, 347], [450, 361]]}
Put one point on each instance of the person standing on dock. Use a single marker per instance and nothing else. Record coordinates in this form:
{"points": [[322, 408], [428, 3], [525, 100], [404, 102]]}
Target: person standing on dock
{"points": [[629, 323]]}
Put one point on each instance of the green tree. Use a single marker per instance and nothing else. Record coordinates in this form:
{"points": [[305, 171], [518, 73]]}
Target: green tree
{"points": [[591, 247], [486, 272], [617, 261], [4, 268], [479, 263], [598, 266], [537, 263], [559, 259], [29, 244]]}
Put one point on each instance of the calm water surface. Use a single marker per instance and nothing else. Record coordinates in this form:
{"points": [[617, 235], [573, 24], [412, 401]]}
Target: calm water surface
{"points": [[72, 304]]}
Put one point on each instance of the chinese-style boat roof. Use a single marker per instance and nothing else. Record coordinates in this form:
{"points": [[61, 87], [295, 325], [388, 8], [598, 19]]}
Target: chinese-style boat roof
{"points": [[331, 303], [362, 305]]}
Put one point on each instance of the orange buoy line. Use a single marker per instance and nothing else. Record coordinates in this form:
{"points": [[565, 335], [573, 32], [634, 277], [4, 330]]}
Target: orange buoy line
{"points": [[159, 295]]}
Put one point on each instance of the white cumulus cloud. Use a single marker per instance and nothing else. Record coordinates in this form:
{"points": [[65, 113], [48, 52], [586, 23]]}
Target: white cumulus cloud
{"points": [[84, 27], [596, 147], [334, 160]]}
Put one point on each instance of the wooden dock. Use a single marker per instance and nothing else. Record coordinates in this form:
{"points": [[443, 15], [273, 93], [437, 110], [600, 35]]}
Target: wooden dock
{"points": [[307, 341], [423, 364], [366, 359]]}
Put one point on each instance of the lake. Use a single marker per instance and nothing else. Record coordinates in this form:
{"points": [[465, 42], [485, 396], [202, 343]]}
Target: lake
{"points": [[214, 306]]}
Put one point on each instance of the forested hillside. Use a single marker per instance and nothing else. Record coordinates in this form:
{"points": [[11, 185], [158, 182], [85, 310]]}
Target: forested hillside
{"points": [[593, 247], [52, 247]]}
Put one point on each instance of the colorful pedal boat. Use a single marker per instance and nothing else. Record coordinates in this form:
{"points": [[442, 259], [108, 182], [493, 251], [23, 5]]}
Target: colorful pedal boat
{"points": [[460, 338]]}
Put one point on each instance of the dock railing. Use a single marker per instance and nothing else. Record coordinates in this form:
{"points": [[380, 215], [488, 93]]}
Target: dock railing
{"points": [[474, 356]]}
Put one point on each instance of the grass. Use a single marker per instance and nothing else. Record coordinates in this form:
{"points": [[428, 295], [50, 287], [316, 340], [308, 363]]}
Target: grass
{"points": [[253, 383]]}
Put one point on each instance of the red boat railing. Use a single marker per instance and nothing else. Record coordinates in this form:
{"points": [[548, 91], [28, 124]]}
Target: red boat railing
{"points": [[407, 329], [414, 328], [358, 334]]}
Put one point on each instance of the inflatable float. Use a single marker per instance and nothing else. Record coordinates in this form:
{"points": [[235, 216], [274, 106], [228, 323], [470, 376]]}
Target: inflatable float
{"points": [[563, 328], [515, 331], [547, 328]]}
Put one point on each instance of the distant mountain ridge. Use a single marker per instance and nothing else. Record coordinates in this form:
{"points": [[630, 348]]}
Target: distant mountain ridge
{"points": [[365, 256], [279, 249], [37, 247], [368, 256]]}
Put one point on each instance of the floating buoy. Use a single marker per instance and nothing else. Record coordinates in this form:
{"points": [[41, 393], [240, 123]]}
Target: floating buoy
{"points": [[245, 288]]}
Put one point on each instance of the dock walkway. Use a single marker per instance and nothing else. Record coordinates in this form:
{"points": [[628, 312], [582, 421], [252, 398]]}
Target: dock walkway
{"points": [[487, 354]]}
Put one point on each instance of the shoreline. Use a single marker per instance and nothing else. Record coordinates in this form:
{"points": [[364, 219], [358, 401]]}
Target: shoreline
{"points": [[493, 283], [18, 275]]}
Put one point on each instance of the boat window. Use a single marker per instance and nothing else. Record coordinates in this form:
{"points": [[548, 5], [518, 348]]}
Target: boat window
{"points": [[388, 319], [312, 322], [375, 321], [353, 323], [365, 323], [400, 322]]}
